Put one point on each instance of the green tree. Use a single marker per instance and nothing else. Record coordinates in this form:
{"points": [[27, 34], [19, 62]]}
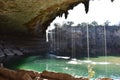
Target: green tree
{"points": [[70, 23], [94, 23], [84, 24], [106, 23]]}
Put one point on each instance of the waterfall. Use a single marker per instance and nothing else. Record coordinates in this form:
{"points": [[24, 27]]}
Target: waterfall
{"points": [[73, 43], [51, 43], [105, 49], [54, 47], [47, 32], [105, 43], [58, 40], [50, 38], [88, 52]]}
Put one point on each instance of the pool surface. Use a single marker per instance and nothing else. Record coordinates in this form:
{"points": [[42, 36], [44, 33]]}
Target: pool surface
{"points": [[75, 67]]}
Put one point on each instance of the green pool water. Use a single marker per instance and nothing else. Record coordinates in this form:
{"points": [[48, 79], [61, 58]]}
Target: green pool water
{"points": [[76, 67]]}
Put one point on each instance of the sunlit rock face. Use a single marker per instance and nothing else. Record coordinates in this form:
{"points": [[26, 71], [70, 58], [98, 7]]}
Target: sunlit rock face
{"points": [[48, 14], [33, 15]]}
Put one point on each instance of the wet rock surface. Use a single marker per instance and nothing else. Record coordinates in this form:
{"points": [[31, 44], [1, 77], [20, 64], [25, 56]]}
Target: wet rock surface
{"points": [[9, 50], [21, 45], [7, 74]]}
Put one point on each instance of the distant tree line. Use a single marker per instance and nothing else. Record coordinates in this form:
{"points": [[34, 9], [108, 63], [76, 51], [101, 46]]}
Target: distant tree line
{"points": [[68, 40]]}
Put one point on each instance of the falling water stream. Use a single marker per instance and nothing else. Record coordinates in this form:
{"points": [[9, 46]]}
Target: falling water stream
{"points": [[105, 50], [88, 51], [76, 67], [70, 64], [73, 44]]}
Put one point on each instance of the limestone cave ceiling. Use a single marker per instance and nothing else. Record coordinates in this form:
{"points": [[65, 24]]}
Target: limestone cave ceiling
{"points": [[35, 14], [46, 16]]}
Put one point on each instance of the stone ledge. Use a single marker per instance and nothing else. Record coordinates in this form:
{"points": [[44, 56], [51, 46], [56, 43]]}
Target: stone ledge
{"points": [[7, 74]]}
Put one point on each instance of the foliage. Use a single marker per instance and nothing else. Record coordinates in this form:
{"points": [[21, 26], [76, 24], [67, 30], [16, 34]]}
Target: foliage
{"points": [[66, 34], [91, 72]]}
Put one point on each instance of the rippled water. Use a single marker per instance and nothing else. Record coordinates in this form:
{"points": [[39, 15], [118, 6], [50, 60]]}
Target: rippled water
{"points": [[75, 67]]}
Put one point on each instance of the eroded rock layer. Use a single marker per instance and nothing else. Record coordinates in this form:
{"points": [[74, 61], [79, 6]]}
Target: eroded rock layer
{"points": [[31, 15], [46, 16], [7, 74]]}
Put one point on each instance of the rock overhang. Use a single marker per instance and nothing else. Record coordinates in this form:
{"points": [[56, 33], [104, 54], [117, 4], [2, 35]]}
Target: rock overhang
{"points": [[35, 16], [46, 16]]}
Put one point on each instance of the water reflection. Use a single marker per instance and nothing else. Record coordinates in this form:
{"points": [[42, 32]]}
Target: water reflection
{"points": [[76, 67]]}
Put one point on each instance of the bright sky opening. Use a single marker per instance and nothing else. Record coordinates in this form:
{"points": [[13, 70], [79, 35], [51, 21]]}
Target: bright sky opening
{"points": [[99, 10]]}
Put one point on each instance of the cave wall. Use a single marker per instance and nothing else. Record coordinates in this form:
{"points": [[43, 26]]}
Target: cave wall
{"points": [[23, 15], [30, 15], [15, 13]]}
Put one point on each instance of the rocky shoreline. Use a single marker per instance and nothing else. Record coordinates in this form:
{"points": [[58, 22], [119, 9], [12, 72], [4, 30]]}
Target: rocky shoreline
{"points": [[22, 45], [8, 74]]}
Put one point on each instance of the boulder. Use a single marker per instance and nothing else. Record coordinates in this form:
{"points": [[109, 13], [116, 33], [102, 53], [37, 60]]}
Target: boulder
{"points": [[7, 74], [59, 76], [3, 78], [32, 74], [13, 75], [23, 76]]}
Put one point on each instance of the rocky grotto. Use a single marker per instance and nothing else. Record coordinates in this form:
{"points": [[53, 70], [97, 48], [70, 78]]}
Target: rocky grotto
{"points": [[22, 24]]}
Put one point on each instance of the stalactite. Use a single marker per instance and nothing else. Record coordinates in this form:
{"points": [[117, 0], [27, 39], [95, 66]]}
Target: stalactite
{"points": [[60, 15], [112, 0], [86, 4], [66, 14], [57, 10]]}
